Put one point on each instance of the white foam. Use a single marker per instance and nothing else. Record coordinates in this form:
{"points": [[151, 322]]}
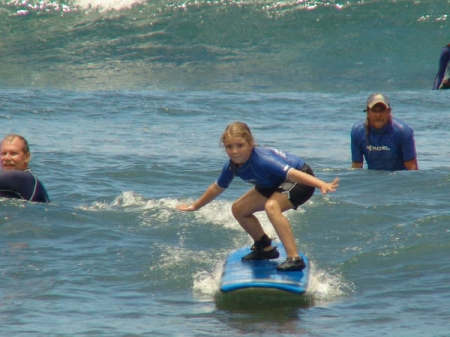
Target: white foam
{"points": [[327, 287], [107, 5], [207, 283]]}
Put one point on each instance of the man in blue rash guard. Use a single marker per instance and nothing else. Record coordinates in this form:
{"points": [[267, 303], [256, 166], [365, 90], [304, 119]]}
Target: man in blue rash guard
{"points": [[385, 142], [16, 179], [282, 181], [439, 81]]}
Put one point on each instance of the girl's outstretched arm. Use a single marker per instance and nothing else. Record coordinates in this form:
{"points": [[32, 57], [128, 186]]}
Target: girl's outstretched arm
{"points": [[307, 179], [210, 194]]}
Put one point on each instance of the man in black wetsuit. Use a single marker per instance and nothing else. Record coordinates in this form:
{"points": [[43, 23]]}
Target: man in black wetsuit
{"points": [[440, 82], [16, 179]]}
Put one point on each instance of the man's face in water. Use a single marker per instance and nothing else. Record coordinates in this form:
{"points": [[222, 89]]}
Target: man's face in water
{"points": [[13, 156], [379, 115]]}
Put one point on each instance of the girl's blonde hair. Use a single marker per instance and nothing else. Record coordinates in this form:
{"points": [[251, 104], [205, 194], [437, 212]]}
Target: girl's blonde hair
{"points": [[237, 129]]}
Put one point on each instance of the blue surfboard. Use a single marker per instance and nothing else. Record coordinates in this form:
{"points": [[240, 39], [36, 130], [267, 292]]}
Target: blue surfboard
{"points": [[241, 275]]}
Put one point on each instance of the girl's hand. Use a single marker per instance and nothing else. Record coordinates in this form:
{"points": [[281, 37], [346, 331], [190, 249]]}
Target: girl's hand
{"points": [[186, 208], [330, 187]]}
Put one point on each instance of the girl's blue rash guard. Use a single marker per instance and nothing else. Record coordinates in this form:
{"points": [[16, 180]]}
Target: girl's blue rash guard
{"points": [[265, 168]]}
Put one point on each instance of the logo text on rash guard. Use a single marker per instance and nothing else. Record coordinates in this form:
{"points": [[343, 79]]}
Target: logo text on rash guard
{"points": [[378, 148]]}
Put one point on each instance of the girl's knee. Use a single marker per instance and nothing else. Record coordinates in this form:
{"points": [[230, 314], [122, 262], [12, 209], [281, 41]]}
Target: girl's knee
{"points": [[241, 210], [272, 207], [236, 209]]}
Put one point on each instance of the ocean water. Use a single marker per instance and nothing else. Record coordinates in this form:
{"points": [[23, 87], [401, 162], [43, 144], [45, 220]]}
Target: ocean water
{"points": [[123, 104]]}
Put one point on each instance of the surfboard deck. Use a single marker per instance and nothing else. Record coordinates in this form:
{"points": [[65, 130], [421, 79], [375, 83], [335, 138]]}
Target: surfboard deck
{"points": [[262, 275]]}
